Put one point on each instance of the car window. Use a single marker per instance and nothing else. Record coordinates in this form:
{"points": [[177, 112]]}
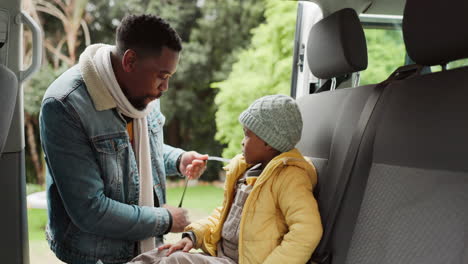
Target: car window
{"points": [[451, 65], [457, 64], [386, 52]]}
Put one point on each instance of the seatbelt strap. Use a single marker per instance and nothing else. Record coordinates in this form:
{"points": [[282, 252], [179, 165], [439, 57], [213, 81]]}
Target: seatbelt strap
{"points": [[322, 255]]}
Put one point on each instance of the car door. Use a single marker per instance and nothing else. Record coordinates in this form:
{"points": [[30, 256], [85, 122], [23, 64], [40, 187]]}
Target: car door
{"points": [[14, 239]]}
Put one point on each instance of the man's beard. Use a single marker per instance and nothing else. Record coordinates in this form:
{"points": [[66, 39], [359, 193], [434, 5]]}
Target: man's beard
{"points": [[141, 103]]}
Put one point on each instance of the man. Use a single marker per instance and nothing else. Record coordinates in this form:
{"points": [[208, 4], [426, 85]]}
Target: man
{"points": [[101, 131]]}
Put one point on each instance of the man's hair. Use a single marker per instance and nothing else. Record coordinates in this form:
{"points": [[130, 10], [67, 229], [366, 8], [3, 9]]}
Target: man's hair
{"points": [[146, 34]]}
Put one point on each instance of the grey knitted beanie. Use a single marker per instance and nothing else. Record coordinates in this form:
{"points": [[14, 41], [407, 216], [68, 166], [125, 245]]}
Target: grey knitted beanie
{"points": [[275, 119]]}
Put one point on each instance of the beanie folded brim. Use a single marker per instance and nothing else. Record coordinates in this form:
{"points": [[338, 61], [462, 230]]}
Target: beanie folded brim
{"points": [[272, 138]]}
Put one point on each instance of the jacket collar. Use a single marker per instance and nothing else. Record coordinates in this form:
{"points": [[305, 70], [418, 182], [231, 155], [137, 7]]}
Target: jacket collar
{"points": [[289, 158], [100, 96]]}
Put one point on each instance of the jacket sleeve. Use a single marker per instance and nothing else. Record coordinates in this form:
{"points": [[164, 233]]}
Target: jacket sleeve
{"points": [[302, 217], [204, 228], [76, 175], [170, 158]]}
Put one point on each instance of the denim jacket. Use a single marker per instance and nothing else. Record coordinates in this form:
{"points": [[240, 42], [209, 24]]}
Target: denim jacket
{"points": [[92, 175]]}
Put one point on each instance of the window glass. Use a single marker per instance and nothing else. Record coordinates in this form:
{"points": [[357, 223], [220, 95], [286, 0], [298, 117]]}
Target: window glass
{"points": [[386, 52], [457, 64], [451, 65]]}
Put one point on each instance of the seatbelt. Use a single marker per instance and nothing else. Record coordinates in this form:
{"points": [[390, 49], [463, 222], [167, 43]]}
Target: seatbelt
{"points": [[322, 254], [187, 179]]}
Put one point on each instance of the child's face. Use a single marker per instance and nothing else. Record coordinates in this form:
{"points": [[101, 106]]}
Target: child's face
{"points": [[254, 149]]}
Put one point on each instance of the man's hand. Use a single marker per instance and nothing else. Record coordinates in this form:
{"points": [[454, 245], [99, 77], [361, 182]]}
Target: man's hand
{"points": [[179, 218], [185, 244], [193, 164]]}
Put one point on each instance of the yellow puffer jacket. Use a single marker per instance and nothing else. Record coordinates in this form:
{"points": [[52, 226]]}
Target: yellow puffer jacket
{"points": [[280, 219]]}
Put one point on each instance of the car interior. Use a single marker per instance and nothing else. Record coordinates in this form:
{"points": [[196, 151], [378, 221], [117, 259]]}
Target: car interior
{"points": [[390, 156]]}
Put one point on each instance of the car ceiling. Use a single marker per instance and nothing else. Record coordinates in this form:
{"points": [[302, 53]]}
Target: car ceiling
{"points": [[381, 7]]}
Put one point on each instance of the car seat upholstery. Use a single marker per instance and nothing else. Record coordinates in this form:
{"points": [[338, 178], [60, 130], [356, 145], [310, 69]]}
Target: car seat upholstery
{"points": [[407, 195], [330, 117], [414, 206]]}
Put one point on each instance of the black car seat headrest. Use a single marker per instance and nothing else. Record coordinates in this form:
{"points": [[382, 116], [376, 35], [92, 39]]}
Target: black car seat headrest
{"points": [[435, 31], [337, 45]]}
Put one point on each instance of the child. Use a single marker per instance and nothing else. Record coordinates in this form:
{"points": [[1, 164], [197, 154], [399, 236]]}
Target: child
{"points": [[269, 214]]}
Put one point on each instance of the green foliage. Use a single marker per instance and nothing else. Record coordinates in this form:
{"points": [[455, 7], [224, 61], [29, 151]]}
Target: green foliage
{"points": [[35, 88], [264, 68], [106, 16], [210, 44], [212, 33], [37, 220], [386, 52], [457, 64]]}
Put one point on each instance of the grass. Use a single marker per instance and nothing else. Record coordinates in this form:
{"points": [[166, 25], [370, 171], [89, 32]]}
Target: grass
{"points": [[37, 220], [200, 198]]}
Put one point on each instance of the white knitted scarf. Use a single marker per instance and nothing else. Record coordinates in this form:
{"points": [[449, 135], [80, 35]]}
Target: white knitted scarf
{"points": [[102, 61]]}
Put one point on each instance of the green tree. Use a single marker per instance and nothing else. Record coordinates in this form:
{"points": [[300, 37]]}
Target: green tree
{"points": [[62, 39], [263, 68], [212, 32], [74, 28], [223, 28], [457, 63], [386, 52]]}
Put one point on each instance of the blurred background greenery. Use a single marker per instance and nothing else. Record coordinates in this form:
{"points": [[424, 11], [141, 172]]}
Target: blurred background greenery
{"points": [[216, 35], [233, 53]]}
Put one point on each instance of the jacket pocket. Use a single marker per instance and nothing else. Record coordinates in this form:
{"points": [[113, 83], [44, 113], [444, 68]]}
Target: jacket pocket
{"points": [[156, 138], [113, 157], [155, 132]]}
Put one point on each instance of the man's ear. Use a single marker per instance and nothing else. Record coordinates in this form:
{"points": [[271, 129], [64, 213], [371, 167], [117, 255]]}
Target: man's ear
{"points": [[129, 60]]}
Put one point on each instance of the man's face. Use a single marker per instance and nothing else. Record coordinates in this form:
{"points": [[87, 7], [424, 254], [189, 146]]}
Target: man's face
{"points": [[149, 77], [255, 150]]}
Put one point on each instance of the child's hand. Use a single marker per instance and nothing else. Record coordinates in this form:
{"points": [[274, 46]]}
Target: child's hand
{"points": [[185, 244]]}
